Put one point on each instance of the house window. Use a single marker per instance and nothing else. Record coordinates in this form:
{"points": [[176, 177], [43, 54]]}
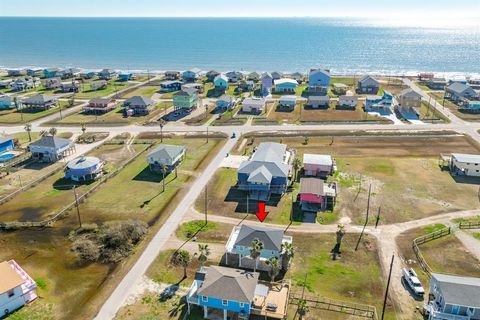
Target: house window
{"points": [[455, 309], [204, 298], [225, 302], [11, 293], [242, 304]]}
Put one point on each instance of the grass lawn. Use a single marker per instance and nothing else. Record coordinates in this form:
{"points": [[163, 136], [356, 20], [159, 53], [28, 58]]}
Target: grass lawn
{"points": [[333, 115], [112, 87], [13, 116], [168, 95], [430, 113], [286, 115], [114, 117], [453, 107], [213, 232], [144, 91]]}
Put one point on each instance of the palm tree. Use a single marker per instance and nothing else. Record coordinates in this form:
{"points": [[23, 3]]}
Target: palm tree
{"points": [[274, 268], [161, 123], [306, 141], [339, 236], [287, 254], [302, 308], [204, 252], [52, 131], [163, 169], [83, 127], [182, 258], [297, 163], [43, 133], [255, 251], [28, 128]]}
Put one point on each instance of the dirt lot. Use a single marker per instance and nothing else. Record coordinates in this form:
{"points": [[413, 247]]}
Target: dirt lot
{"points": [[453, 107], [333, 115]]}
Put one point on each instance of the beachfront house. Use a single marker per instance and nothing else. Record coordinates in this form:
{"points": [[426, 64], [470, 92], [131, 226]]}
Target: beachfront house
{"points": [[16, 72], [198, 87], [347, 102], [458, 91], [285, 85], [17, 288], [126, 76], [287, 102], [464, 164], [39, 101], [211, 75], [68, 73], [425, 76], [300, 77], [226, 102], [98, 85], [409, 100], [6, 84], [473, 105], [221, 82], [7, 102], [340, 88], [185, 100], [253, 105], [34, 71], [239, 246], [50, 72], [234, 76], [138, 106], [276, 75], [26, 83], [315, 194], [166, 155], [254, 76], [437, 83], [51, 149], [246, 86], [375, 102], [267, 84], [318, 165], [6, 144], [453, 297], [318, 82], [100, 105], [191, 75], [52, 83], [84, 169], [170, 85], [172, 75], [266, 172], [317, 102], [107, 74], [70, 86], [87, 74], [368, 85]]}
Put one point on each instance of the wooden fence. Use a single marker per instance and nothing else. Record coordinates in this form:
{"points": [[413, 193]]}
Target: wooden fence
{"points": [[469, 225], [424, 239], [354, 309]]}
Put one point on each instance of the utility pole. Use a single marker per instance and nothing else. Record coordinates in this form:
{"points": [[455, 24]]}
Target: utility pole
{"points": [[304, 285], [291, 210], [378, 217], [206, 204], [388, 286], [76, 205], [15, 100], [207, 134], [366, 219]]}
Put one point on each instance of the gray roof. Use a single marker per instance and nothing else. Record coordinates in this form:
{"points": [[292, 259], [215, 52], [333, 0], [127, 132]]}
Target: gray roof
{"points": [[271, 238], [463, 291], [458, 87], [260, 175], [325, 72], [167, 151], [368, 78], [139, 101], [230, 284], [39, 99], [254, 101], [169, 82], [270, 152], [311, 185], [5, 139], [268, 155], [101, 100], [467, 158], [83, 162], [51, 142], [318, 99], [185, 92], [409, 91]]}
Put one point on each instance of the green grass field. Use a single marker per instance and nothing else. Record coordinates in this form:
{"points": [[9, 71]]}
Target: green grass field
{"points": [[13, 116]]}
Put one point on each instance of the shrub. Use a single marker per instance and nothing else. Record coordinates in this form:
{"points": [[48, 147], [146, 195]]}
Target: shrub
{"points": [[86, 249]]}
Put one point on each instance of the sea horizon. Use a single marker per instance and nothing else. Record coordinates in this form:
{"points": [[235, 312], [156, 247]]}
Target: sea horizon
{"points": [[155, 44]]}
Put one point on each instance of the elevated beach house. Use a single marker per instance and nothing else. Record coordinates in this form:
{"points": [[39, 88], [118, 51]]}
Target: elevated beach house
{"points": [[98, 84], [246, 85], [409, 100], [198, 87], [6, 144], [318, 82], [6, 102], [226, 102], [185, 100], [347, 102], [51, 149], [383, 102], [458, 91], [267, 84], [368, 84], [239, 246], [463, 164], [68, 73], [100, 105], [191, 75], [26, 83], [52, 83], [277, 75], [107, 74], [437, 83], [16, 72], [70, 86], [170, 85], [253, 105], [317, 102], [166, 155], [266, 172], [126, 76], [172, 75], [340, 88], [318, 165], [138, 106], [211, 75], [254, 76], [315, 194], [221, 82], [453, 297], [300, 77], [285, 85], [17, 288], [39, 101], [50, 72], [287, 102], [84, 169], [234, 76]]}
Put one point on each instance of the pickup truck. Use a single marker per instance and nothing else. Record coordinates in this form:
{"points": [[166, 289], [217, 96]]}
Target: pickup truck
{"points": [[411, 279]]}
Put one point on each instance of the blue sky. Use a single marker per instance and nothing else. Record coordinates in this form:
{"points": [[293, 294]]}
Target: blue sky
{"points": [[442, 9]]}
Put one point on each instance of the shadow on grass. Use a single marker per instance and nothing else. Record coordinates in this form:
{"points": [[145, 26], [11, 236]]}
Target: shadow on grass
{"points": [[215, 93], [466, 180], [68, 184]]}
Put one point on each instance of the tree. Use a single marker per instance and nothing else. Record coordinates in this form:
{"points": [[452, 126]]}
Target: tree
{"points": [[204, 252], [83, 126], [163, 169], [161, 124], [52, 131], [297, 163], [274, 268], [306, 141], [339, 236], [287, 254], [43, 133], [86, 250], [28, 128], [255, 251], [182, 258], [302, 308]]}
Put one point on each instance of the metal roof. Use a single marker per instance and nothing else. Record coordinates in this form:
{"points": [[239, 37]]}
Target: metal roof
{"points": [[271, 238], [311, 185], [260, 175], [139, 101], [463, 291], [83, 163], [320, 159], [167, 151], [9, 278], [285, 81], [468, 158], [5, 139], [51, 142]]}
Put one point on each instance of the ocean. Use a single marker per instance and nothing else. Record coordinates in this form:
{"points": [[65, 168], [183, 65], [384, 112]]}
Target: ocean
{"points": [[260, 44]]}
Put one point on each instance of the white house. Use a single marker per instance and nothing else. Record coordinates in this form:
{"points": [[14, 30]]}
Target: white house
{"points": [[17, 288], [465, 164], [253, 105], [288, 101], [347, 101], [51, 149], [165, 154]]}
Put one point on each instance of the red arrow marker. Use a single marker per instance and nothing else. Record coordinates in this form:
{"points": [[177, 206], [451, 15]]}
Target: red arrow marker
{"points": [[261, 213]]}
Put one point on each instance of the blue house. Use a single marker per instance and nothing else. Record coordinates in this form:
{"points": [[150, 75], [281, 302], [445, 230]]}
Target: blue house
{"points": [[240, 240], [170, 85], [376, 102], [318, 81], [191, 75], [226, 102], [221, 82], [6, 144], [230, 292], [285, 85], [125, 76], [50, 72], [6, 103], [266, 172]]}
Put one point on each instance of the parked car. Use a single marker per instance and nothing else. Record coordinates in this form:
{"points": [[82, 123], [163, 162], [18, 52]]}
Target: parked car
{"points": [[411, 279]]}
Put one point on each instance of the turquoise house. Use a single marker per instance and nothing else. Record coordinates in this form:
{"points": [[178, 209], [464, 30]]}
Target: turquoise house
{"points": [[185, 100], [50, 72], [285, 85], [221, 82], [125, 76], [6, 103]]}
